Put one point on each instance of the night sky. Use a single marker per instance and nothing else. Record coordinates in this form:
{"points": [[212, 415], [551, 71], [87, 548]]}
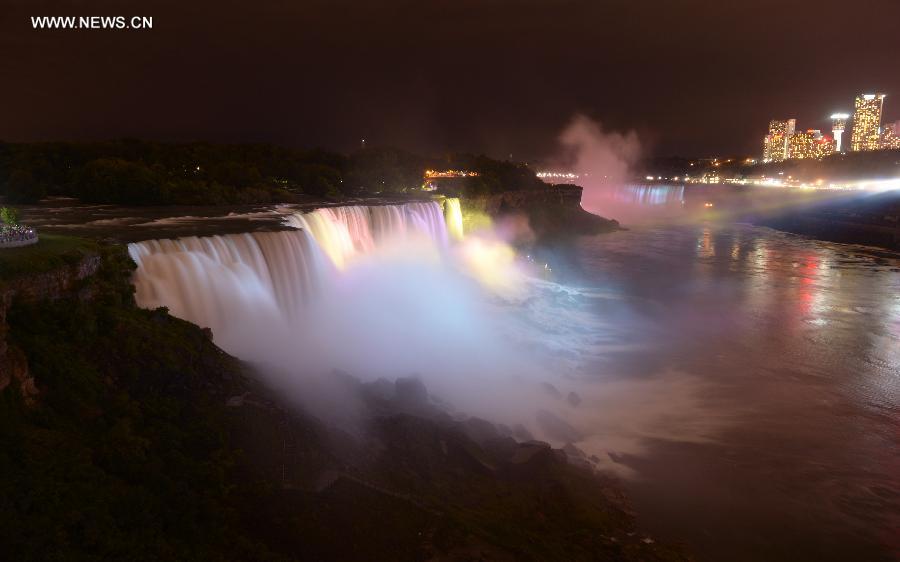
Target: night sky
{"points": [[693, 77]]}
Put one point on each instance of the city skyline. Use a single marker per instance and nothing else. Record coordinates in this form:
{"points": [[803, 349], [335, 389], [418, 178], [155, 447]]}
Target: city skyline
{"points": [[868, 132]]}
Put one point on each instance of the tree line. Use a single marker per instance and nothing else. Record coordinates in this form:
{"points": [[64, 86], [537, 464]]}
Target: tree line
{"points": [[136, 172]]}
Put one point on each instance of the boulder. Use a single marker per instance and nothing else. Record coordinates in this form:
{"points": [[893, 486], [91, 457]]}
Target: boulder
{"points": [[521, 433], [411, 391], [557, 428], [479, 430], [551, 390]]}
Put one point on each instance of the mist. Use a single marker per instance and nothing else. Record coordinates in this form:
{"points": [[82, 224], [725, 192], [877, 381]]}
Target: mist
{"points": [[480, 326]]}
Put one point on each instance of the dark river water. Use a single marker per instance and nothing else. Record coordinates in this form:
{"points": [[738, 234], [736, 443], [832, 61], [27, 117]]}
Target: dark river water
{"points": [[768, 427]]}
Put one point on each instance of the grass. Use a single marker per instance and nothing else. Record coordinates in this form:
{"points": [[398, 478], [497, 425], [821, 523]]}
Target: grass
{"points": [[51, 251]]}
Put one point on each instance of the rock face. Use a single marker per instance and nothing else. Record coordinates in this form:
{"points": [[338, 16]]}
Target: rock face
{"points": [[553, 211], [557, 428], [508, 201], [49, 286]]}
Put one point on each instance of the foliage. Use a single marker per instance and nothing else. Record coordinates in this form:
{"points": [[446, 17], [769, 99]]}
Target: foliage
{"points": [[124, 455], [51, 252], [9, 215], [131, 172], [21, 187]]}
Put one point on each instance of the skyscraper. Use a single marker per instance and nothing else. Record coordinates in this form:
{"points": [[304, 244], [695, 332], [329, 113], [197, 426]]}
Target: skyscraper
{"points": [[867, 122], [890, 137], [775, 144], [838, 124], [809, 144]]}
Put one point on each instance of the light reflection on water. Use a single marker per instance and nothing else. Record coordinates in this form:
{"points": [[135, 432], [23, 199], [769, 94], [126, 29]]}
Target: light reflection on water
{"points": [[780, 436]]}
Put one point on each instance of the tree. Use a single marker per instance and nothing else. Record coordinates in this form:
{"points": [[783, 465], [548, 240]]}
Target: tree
{"points": [[9, 215], [21, 187], [113, 180]]}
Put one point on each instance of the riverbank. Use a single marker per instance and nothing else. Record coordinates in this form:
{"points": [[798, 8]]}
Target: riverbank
{"points": [[551, 211], [870, 220], [854, 217]]}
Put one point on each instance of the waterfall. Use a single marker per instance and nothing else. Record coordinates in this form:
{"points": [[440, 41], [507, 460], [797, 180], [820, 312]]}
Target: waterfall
{"points": [[229, 281], [344, 232], [374, 291], [454, 218]]}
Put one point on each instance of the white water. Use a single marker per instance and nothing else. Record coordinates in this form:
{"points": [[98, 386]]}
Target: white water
{"points": [[221, 282], [382, 291], [345, 232]]}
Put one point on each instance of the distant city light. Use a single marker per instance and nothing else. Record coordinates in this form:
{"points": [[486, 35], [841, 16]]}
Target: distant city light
{"points": [[784, 142], [866, 134], [434, 174], [559, 177]]}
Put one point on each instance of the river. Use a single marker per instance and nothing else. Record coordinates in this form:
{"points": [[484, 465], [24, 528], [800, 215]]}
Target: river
{"points": [[767, 426]]}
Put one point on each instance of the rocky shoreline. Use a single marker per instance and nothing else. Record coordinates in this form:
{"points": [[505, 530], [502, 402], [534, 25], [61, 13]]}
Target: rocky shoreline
{"points": [[869, 221]]}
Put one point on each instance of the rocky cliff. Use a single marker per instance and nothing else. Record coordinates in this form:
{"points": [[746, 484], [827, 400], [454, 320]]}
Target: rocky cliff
{"points": [[63, 282], [553, 211]]}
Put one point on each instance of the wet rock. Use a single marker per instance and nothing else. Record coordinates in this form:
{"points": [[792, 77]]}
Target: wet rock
{"points": [[479, 430], [528, 450], [551, 390], [381, 389], [521, 433], [557, 428], [573, 451], [411, 391], [237, 401], [504, 430], [577, 457], [501, 448]]}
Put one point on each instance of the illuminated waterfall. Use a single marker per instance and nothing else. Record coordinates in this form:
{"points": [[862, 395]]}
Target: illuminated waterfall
{"points": [[454, 218], [228, 282], [343, 232]]}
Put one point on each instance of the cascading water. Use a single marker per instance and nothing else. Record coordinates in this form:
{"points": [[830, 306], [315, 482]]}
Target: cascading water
{"points": [[343, 232], [222, 281], [217, 281], [377, 292], [454, 218]]}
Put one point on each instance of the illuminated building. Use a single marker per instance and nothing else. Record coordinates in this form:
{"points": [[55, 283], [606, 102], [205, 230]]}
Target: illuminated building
{"points": [[866, 133], [809, 144], [838, 124], [775, 144], [890, 138], [433, 176], [554, 178]]}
